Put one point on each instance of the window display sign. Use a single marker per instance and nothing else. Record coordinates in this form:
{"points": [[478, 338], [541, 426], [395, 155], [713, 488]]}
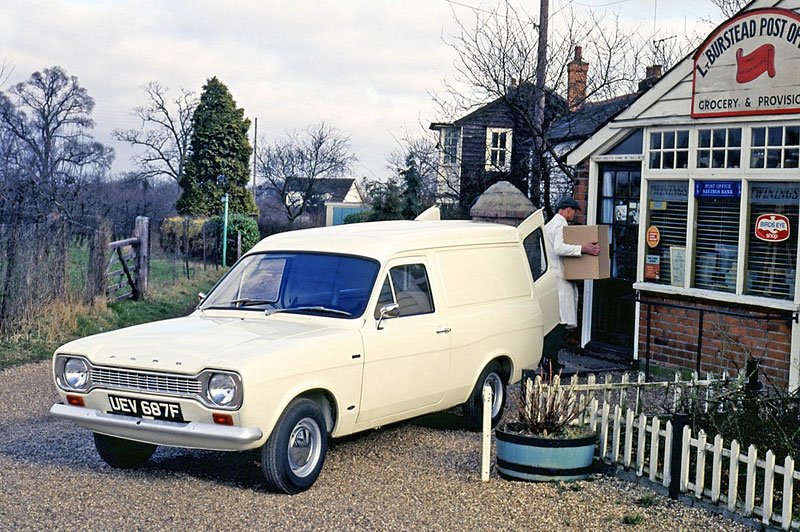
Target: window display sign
{"points": [[772, 227], [652, 268], [653, 236], [717, 189], [748, 66], [677, 258]]}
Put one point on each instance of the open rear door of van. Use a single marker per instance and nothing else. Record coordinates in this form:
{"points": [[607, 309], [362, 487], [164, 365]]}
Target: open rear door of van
{"points": [[531, 235]]}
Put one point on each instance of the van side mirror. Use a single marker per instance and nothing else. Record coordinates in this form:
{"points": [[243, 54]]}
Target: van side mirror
{"points": [[392, 310], [201, 296]]}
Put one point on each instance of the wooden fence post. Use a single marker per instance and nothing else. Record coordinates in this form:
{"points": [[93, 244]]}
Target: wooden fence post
{"points": [[96, 272], [186, 246], [141, 231]]}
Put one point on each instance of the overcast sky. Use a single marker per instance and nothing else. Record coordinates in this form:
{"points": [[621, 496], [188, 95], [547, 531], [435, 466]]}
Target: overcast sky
{"points": [[364, 66]]}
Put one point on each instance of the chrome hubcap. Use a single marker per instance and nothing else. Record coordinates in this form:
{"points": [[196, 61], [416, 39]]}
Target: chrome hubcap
{"points": [[304, 448], [496, 384]]}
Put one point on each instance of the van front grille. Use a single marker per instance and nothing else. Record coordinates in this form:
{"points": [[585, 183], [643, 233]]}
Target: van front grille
{"points": [[143, 381]]}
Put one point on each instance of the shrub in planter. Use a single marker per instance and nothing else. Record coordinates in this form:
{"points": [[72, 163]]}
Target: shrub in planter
{"points": [[236, 223], [544, 444]]}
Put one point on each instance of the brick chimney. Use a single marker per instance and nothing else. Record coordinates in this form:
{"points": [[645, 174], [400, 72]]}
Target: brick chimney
{"points": [[577, 72], [651, 76]]}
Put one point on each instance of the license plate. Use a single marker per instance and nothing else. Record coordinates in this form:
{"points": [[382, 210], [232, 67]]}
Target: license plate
{"points": [[132, 406]]}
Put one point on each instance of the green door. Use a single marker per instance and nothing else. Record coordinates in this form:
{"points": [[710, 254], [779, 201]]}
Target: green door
{"points": [[613, 306]]}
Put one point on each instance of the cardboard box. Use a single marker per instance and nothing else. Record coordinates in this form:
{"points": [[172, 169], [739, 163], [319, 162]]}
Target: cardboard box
{"points": [[587, 266]]}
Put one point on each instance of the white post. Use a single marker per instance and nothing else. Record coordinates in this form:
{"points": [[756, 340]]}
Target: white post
{"points": [[716, 470], [487, 433], [788, 492], [733, 477], [642, 433], [700, 474], [669, 467], [750, 487], [769, 481], [655, 438]]}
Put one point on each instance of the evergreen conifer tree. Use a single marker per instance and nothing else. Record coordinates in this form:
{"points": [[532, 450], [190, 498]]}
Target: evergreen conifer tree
{"points": [[219, 156], [412, 189]]}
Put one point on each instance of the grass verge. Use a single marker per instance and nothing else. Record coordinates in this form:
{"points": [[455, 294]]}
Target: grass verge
{"points": [[62, 322]]}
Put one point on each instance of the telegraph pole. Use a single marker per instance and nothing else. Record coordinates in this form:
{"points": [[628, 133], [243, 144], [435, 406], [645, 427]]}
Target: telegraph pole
{"points": [[534, 187]]}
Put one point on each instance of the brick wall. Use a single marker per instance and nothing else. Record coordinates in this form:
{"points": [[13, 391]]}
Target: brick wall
{"points": [[727, 341], [581, 190]]}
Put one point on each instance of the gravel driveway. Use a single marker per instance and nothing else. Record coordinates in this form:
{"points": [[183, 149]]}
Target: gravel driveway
{"points": [[410, 476]]}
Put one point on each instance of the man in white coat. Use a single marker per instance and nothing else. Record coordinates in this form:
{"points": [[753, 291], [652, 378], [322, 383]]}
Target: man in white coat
{"points": [[566, 208]]}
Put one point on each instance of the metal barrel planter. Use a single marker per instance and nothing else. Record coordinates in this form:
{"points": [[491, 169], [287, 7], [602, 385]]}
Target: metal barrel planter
{"points": [[534, 458]]}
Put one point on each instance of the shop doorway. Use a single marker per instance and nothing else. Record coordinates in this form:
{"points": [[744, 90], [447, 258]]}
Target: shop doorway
{"points": [[613, 305]]}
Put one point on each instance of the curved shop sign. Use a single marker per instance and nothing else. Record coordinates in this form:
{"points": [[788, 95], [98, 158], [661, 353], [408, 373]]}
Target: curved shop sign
{"points": [[772, 227], [748, 66]]}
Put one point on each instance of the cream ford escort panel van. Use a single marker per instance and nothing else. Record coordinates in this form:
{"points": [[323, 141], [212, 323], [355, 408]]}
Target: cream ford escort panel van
{"points": [[317, 333]]}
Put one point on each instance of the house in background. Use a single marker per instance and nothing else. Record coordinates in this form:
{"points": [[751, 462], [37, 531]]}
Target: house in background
{"points": [[329, 199], [495, 142], [316, 202], [490, 144]]}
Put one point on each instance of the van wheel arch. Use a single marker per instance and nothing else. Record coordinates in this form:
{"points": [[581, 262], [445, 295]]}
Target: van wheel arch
{"points": [[496, 373], [327, 404]]}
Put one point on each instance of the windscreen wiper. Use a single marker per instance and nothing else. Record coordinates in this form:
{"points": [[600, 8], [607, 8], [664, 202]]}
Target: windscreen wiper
{"points": [[317, 308], [248, 301]]}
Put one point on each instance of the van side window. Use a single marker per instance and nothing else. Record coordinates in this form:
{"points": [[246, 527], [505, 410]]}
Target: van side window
{"points": [[535, 251], [407, 286]]}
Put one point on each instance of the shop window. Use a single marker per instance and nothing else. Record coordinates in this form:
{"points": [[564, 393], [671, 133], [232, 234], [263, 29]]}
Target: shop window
{"points": [[669, 149], [668, 212], [630, 145], [451, 140], [498, 149], [717, 237], [775, 147], [719, 148], [772, 248]]}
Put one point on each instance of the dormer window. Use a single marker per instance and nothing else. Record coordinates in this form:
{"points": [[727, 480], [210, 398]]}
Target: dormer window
{"points": [[498, 149]]}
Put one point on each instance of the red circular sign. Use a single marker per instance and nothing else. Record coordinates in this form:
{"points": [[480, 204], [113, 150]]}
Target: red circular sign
{"points": [[772, 227], [653, 236]]}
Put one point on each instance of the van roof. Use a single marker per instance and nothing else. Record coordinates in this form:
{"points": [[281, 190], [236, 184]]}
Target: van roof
{"points": [[381, 240]]}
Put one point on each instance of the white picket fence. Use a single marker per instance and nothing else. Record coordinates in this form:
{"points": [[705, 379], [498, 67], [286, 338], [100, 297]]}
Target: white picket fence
{"points": [[643, 444]]}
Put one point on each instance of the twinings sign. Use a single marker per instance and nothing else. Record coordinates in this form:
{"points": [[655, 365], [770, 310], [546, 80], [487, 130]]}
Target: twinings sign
{"points": [[748, 66], [653, 236], [772, 227]]}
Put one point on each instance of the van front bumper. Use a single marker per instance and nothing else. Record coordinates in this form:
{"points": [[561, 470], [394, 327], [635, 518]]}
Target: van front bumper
{"points": [[191, 435]]}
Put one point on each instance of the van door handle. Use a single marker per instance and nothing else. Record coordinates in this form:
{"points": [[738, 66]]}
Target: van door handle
{"points": [[443, 330]]}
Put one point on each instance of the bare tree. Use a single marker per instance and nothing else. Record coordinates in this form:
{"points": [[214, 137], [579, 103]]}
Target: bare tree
{"points": [[495, 60], [729, 8], [52, 154], [165, 133], [293, 167]]}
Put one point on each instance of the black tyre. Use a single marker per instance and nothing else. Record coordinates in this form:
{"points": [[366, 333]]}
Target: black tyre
{"points": [[122, 454], [294, 454], [494, 377]]}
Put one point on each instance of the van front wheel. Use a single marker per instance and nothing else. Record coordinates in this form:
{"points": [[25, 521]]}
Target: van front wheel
{"points": [[292, 458], [491, 376]]}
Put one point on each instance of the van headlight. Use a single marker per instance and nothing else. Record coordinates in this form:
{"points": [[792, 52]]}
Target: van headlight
{"points": [[76, 373], [222, 389]]}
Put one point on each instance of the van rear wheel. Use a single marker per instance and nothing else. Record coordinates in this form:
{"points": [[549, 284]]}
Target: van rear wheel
{"points": [[492, 376]]}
